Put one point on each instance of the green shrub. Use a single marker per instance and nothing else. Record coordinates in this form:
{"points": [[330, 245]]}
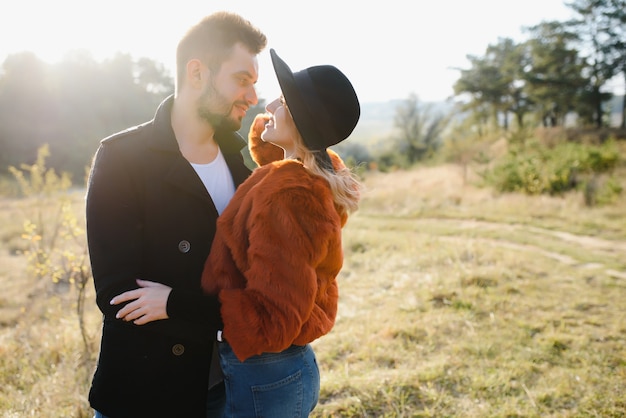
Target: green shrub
{"points": [[535, 169]]}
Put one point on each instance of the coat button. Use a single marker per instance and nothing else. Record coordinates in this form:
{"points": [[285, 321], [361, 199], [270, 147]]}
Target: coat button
{"points": [[184, 246], [178, 349]]}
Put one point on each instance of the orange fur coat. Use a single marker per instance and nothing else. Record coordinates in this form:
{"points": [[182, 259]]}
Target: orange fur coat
{"points": [[276, 255]]}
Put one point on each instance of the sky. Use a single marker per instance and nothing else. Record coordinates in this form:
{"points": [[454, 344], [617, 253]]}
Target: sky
{"points": [[389, 49]]}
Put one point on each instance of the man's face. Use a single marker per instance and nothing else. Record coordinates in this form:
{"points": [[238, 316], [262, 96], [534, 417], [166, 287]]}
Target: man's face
{"points": [[229, 93]]}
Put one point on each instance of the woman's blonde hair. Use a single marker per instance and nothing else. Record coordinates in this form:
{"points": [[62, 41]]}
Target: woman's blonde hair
{"points": [[344, 183]]}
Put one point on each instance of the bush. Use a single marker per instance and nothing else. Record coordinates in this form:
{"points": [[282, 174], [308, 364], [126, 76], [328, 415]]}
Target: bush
{"points": [[55, 240], [535, 169]]}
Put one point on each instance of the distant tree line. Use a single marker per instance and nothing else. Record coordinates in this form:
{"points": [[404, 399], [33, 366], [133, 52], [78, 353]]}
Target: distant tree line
{"points": [[562, 69], [72, 105]]}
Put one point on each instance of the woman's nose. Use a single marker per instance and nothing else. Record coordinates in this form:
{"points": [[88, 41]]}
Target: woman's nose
{"points": [[271, 106]]}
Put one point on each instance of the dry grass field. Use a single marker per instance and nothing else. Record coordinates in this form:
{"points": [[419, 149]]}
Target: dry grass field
{"points": [[455, 302]]}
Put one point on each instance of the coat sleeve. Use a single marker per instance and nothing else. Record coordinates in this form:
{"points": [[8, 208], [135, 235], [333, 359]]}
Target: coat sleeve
{"points": [[286, 245], [114, 227]]}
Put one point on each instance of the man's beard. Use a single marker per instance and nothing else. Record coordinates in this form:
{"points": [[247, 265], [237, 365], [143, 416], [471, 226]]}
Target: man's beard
{"points": [[209, 103]]}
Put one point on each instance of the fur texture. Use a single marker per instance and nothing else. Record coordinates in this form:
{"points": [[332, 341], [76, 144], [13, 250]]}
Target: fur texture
{"points": [[262, 152], [276, 256]]}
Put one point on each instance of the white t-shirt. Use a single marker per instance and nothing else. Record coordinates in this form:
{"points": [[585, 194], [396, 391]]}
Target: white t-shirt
{"points": [[217, 180]]}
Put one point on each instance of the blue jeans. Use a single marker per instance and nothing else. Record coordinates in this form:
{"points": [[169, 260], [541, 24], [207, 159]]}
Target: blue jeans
{"points": [[274, 385]]}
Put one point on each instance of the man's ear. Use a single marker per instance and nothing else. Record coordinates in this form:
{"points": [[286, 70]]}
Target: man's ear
{"points": [[195, 72]]}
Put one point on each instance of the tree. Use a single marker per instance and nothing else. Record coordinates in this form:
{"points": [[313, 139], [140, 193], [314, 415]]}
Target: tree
{"points": [[496, 81], [26, 111], [420, 129], [512, 60], [153, 77], [554, 74], [616, 46], [594, 31], [71, 105], [482, 83]]}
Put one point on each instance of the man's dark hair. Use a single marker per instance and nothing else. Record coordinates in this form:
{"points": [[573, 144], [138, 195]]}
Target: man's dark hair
{"points": [[212, 40]]}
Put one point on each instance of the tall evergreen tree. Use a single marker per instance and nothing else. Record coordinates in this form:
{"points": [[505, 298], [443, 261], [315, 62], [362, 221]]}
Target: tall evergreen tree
{"points": [[555, 81], [593, 27], [616, 46], [496, 81]]}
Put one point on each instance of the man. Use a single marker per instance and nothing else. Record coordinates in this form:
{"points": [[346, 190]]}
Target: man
{"points": [[154, 195]]}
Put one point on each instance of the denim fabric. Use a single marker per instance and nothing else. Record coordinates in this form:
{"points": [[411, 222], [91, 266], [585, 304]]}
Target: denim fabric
{"points": [[99, 415], [271, 385]]}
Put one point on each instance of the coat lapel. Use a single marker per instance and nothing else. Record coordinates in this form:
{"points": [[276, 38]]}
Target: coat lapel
{"points": [[231, 144], [181, 174]]}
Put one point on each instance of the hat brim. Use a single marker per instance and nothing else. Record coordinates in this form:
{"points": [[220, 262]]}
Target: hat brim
{"points": [[294, 97], [283, 73], [302, 117]]}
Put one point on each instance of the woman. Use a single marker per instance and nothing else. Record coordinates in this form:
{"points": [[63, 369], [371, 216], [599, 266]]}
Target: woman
{"points": [[278, 249]]}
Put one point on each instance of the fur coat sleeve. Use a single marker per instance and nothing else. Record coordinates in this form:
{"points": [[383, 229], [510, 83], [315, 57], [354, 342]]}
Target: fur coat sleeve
{"points": [[262, 152]]}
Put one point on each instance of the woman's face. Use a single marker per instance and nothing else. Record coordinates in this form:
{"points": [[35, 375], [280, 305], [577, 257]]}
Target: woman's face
{"points": [[280, 129]]}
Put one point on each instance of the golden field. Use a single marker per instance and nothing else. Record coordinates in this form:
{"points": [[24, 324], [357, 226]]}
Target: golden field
{"points": [[455, 302]]}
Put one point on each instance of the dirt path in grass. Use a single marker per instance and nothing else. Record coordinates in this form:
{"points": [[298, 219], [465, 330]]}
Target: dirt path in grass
{"points": [[612, 247], [420, 194], [516, 237], [582, 240]]}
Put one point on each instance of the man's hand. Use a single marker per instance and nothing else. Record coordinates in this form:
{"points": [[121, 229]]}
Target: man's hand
{"points": [[148, 303]]}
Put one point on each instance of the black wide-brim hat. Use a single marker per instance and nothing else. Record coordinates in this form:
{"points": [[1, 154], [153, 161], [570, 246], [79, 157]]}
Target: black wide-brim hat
{"points": [[322, 102]]}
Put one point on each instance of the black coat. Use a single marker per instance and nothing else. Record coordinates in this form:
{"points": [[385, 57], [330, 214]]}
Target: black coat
{"points": [[149, 216]]}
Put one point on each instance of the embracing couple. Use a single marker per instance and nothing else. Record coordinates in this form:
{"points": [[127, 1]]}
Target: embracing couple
{"points": [[213, 279]]}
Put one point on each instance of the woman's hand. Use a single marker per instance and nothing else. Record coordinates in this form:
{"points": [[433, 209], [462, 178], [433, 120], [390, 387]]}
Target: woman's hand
{"points": [[148, 303]]}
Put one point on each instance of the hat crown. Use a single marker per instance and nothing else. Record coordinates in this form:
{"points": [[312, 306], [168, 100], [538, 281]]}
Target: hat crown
{"points": [[335, 97]]}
